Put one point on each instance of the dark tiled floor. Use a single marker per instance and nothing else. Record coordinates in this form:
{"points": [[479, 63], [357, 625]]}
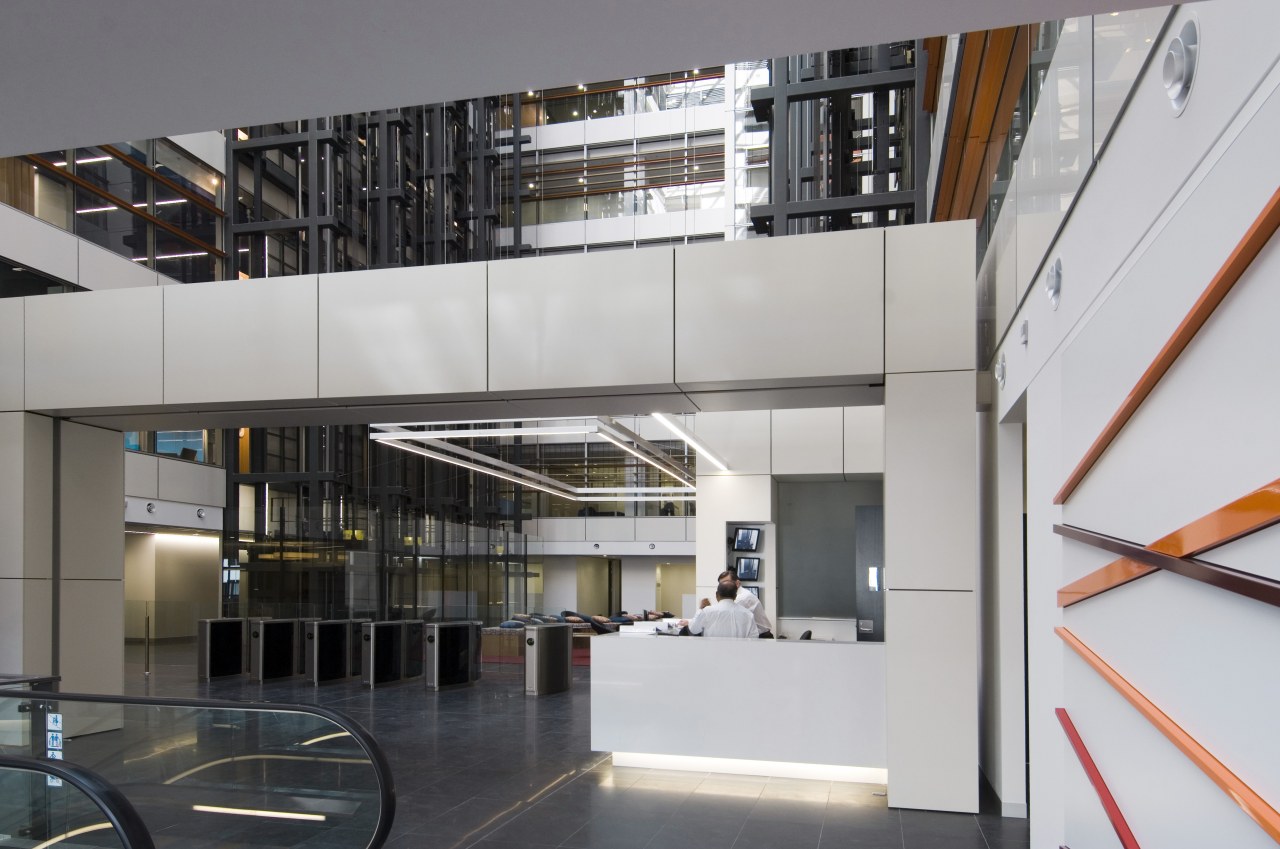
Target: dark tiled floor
{"points": [[487, 767]]}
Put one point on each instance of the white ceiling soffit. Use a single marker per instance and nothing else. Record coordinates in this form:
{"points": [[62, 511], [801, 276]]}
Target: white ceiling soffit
{"points": [[78, 72]]}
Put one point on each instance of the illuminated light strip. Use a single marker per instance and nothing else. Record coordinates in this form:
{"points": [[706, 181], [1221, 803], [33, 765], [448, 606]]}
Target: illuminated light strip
{"points": [[689, 439], [652, 462], [475, 467], [660, 457], [1242, 794], [333, 736], [1118, 822], [1246, 584], [595, 490], [102, 826], [1253, 512], [638, 497], [1232, 270], [737, 766], [96, 209], [480, 433], [519, 471], [389, 425], [252, 812]]}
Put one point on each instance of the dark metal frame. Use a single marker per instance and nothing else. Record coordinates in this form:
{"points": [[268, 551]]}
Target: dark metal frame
{"points": [[119, 811]]}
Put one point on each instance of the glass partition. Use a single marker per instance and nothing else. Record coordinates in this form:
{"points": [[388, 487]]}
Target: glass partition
{"points": [[230, 772], [46, 803]]}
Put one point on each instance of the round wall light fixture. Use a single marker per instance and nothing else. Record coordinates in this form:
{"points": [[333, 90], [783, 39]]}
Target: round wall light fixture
{"points": [[1002, 371], [151, 508], [1053, 282], [1179, 67], [199, 512]]}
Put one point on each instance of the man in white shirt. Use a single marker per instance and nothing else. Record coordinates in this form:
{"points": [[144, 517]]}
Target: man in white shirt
{"points": [[725, 618], [746, 598]]}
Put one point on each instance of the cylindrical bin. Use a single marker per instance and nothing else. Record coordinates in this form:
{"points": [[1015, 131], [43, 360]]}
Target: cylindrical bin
{"points": [[451, 653], [548, 658], [219, 647]]}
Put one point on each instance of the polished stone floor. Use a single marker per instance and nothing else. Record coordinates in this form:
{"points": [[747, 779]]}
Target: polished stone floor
{"points": [[487, 767]]}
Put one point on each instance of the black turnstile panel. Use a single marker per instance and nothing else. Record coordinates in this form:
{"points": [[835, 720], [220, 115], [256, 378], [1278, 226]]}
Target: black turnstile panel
{"points": [[278, 658], [330, 650], [226, 647], [413, 649], [387, 652], [454, 654], [355, 648]]}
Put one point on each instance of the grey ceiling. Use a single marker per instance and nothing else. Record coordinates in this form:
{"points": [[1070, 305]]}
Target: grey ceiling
{"points": [[81, 72]]}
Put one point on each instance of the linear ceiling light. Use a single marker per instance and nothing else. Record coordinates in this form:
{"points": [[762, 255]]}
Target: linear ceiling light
{"points": [[482, 433], [650, 460], [521, 471], [475, 467], [702, 450], [390, 425]]}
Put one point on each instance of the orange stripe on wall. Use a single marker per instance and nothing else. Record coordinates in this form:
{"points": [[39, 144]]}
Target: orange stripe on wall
{"points": [[1242, 794], [1253, 512], [1245, 252]]}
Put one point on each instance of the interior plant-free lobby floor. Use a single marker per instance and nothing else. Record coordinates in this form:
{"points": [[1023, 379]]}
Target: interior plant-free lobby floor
{"points": [[486, 766]]}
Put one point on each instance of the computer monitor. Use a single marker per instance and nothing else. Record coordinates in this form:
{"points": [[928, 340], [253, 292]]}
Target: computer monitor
{"points": [[748, 568], [746, 539]]}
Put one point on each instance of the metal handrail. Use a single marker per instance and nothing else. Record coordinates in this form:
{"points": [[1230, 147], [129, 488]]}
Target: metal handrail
{"points": [[377, 759], [123, 817]]}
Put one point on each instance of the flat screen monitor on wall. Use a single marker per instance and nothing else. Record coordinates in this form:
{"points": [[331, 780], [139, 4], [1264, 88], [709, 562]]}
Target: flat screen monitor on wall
{"points": [[746, 539], [748, 568]]}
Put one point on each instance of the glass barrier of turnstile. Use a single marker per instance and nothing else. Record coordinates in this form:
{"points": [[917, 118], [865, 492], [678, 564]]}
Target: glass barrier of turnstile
{"points": [[548, 658], [452, 655], [220, 647], [327, 650], [392, 652], [271, 648]]}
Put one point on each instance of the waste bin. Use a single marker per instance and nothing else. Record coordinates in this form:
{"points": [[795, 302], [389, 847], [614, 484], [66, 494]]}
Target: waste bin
{"points": [[548, 658]]}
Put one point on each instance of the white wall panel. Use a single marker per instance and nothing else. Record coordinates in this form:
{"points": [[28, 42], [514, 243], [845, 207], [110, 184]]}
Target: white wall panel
{"points": [[562, 530], [104, 269], [1215, 690], [141, 475], [661, 528], [639, 583], [26, 609], [95, 349], [92, 485], [741, 439], [559, 584], [404, 331], [571, 134], [547, 325], [240, 341], [808, 442], [1183, 807], [618, 528], [929, 297], [662, 225], [1255, 554], [192, 483], [13, 499], [91, 625], [932, 699], [733, 498], [1188, 465], [556, 234], [37, 488], [39, 245], [800, 307], [1087, 822], [606, 230], [864, 440], [12, 362], [930, 481], [612, 128]]}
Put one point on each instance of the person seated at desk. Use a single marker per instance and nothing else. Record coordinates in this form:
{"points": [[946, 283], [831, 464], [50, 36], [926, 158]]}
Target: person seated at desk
{"points": [[725, 618], [750, 601]]}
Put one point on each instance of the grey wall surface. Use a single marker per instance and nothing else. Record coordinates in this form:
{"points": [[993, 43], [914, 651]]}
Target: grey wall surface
{"points": [[817, 540]]}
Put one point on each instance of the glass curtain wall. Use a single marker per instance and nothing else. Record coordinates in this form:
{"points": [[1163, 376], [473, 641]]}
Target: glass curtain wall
{"points": [[149, 201]]}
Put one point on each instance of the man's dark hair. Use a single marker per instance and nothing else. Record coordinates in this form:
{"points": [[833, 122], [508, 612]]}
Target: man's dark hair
{"points": [[728, 575], [726, 589]]}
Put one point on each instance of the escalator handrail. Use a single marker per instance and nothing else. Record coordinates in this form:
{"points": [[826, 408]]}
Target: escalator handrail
{"points": [[123, 817], [377, 758]]}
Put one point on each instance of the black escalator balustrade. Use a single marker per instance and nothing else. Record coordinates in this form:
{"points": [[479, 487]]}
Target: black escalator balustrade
{"points": [[50, 802], [238, 775]]}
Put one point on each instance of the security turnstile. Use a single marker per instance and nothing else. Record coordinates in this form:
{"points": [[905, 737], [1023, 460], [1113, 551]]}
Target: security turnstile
{"points": [[355, 647], [272, 652], [220, 647], [300, 643], [452, 653], [326, 645], [548, 658], [388, 652]]}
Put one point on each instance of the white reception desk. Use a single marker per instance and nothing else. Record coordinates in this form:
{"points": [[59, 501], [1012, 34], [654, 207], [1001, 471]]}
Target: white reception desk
{"points": [[793, 708]]}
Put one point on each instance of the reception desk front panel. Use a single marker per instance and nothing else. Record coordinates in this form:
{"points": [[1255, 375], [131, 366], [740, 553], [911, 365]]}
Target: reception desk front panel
{"points": [[785, 702]]}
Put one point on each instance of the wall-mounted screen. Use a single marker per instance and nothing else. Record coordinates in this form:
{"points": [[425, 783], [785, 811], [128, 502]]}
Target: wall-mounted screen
{"points": [[748, 568], [755, 590], [746, 539]]}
